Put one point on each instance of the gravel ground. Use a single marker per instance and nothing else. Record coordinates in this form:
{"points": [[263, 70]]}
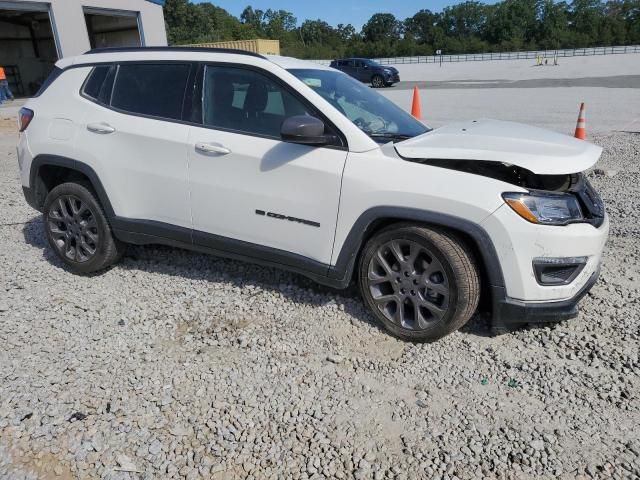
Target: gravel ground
{"points": [[179, 365]]}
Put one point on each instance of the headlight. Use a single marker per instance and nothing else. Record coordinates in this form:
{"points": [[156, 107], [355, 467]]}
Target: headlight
{"points": [[545, 208], [386, 70]]}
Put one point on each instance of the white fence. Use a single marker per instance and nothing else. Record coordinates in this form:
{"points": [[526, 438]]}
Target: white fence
{"points": [[479, 57]]}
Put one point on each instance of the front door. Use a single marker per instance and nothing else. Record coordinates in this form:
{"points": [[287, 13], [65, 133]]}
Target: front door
{"points": [[248, 185]]}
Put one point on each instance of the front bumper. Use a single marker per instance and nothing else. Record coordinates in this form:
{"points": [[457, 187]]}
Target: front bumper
{"points": [[509, 313], [521, 299], [392, 78]]}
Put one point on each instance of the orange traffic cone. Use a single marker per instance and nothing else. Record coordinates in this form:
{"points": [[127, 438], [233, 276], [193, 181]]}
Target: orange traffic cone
{"points": [[416, 111], [581, 126]]}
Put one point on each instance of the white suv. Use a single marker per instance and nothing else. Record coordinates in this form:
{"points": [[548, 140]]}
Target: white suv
{"points": [[296, 165]]}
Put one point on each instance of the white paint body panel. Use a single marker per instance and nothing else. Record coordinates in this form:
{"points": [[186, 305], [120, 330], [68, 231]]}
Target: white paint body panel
{"points": [[536, 149], [151, 170], [269, 175], [143, 164], [518, 242]]}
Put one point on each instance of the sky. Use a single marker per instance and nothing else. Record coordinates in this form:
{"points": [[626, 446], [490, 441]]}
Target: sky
{"points": [[336, 11]]}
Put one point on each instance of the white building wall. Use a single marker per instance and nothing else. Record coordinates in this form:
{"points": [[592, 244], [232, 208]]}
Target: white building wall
{"points": [[71, 29]]}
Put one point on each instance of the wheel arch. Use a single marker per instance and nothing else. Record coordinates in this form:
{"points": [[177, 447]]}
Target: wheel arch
{"points": [[377, 218], [48, 171]]}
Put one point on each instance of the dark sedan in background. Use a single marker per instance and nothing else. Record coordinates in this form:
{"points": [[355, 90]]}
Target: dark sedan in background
{"points": [[368, 71]]}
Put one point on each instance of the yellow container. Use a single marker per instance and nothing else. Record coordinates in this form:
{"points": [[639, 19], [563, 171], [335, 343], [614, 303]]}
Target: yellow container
{"points": [[262, 46]]}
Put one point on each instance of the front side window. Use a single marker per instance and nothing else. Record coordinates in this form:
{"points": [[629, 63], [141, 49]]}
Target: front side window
{"points": [[246, 101], [374, 114], [151, 89]]}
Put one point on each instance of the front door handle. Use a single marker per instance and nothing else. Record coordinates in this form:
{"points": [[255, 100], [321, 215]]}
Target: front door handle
{"points": [[209, 148], [101, 128]]}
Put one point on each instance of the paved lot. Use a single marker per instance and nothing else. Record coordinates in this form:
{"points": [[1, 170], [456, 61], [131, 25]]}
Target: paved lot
{"points": [[619, 81], [517, 90], [180, 365], [556, 108]]}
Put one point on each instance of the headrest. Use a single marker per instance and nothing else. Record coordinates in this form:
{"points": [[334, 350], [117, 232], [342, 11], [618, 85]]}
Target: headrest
{"points": [[257, 97]]}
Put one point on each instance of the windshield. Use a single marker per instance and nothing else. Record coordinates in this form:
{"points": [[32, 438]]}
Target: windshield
{"points": [[372, 113], [372, 63]]}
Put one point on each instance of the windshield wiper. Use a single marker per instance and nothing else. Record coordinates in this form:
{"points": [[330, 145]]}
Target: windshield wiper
{"points": [[391, 136]]}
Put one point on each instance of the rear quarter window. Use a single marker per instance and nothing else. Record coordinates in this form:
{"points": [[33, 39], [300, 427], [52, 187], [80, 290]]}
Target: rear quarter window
{"points": [[151, 89], [98, 84]]}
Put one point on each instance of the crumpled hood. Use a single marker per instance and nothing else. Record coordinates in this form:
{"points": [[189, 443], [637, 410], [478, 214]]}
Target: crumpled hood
{"points": [[538, 150]]}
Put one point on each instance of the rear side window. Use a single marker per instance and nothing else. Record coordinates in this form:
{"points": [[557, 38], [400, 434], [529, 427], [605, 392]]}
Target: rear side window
{"points": [[151, 89]]}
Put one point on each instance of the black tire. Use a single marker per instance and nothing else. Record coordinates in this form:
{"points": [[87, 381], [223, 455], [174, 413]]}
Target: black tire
{"points": [[441, 294], [78, 230], [377, 81]]}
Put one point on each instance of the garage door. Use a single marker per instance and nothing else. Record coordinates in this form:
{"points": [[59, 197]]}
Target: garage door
{"points": [[113, 28], [28, 45]]}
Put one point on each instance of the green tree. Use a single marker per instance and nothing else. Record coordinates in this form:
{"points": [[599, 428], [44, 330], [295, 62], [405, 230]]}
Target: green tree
{"points": [[422, 26], [466, 27], [382, 27]]}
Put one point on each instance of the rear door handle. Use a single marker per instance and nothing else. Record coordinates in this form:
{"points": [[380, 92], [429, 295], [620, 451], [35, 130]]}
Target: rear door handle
{"points": [[209, 148], [101, 128]]}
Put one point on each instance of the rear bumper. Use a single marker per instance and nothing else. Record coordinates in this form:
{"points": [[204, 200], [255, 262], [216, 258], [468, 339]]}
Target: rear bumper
{"points": [[509, 312]]}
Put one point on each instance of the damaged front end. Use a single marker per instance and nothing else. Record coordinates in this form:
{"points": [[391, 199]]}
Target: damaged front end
{"points": [[551, 199]]}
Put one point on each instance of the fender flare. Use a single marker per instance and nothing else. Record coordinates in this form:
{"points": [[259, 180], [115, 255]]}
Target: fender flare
{"points": [[76, 165], [344, 267]]}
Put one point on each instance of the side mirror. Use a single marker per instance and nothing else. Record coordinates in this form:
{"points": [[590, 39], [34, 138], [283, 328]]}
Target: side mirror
{"points": [[303, 129]]}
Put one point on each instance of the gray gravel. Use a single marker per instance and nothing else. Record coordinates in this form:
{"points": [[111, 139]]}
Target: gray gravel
{"points": [[180, 365]]}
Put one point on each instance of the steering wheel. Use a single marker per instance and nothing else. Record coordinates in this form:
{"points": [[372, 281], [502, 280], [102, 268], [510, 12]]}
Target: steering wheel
{"points": [[366, 127], [333, 102]]}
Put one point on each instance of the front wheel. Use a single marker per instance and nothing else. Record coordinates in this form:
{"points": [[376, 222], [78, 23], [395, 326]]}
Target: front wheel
{"points": [[77, 229], [420, 283], [377, 81]]}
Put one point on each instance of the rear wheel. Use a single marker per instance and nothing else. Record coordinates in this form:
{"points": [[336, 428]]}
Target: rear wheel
{"points": [[77, 229], [421, 283], [377, 81]]}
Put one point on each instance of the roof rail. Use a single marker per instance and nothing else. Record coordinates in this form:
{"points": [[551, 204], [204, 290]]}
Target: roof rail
{"points": [[173, 49]]}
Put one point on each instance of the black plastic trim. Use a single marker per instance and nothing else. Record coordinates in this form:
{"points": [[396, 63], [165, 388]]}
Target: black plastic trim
{"points": [[173, 49], [539, 265], [71, 164], [345, 264], [30, 197], [142, 232], [509, 313]]}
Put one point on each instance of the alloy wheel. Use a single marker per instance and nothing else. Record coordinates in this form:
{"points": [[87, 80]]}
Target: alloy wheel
{"points": [[408, 284], [73, 228], [378, 81]]}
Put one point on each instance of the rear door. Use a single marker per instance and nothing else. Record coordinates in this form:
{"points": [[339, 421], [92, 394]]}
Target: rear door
{"points": [[350, 68], [132, 131], [362, 71], [247, 184]]}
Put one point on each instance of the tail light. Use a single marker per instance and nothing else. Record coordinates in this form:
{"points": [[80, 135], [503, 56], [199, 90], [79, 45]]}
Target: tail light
{"points": [[25, 115]]}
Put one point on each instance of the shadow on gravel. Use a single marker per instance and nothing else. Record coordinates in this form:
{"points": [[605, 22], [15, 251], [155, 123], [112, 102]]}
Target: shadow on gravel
{"points": [[199, 266], [33, 232]]}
